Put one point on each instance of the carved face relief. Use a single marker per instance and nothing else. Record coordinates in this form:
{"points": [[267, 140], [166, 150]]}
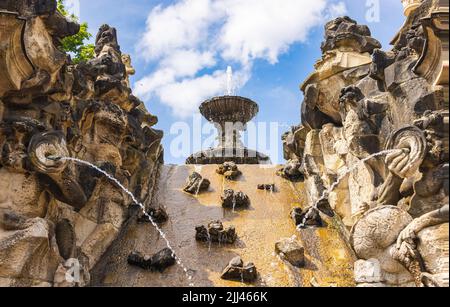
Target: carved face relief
{"points": [[21, 194]]}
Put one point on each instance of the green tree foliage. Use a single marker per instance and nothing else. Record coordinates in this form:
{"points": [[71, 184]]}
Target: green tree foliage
{"points": [[75, 45]]}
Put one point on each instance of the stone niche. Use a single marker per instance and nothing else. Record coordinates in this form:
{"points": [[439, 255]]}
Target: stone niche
{"points": [[360, 101], [55, 214]]}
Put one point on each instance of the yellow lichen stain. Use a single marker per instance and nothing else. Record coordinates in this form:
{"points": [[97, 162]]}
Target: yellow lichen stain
{"points": [[258, 227]]}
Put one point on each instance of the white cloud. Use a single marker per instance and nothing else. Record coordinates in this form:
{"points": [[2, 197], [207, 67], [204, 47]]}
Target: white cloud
{"points": [[187, 63], [183, 96], [181, 25], [192, 41], [266, 28]]}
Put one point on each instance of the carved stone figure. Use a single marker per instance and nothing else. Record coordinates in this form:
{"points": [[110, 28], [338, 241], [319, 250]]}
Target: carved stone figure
{"points": [[376, 144], [55, 213]]}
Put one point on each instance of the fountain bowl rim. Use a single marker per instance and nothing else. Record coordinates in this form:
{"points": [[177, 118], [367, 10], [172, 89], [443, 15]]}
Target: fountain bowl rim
{"points": [[245, 100]]}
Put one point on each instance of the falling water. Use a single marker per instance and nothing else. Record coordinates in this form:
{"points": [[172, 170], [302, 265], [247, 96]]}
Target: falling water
{"points": [[117, 182], [327, 192], [271, 191], [229, 81], [234, 203], [209, 240], [197, 191]]}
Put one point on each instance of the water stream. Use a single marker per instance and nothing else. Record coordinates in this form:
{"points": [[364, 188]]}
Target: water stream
{"points": [[133, 198]]}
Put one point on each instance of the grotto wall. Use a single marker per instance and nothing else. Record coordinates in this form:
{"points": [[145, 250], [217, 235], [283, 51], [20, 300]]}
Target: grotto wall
{"points": [[376, 123], [52, 211]]}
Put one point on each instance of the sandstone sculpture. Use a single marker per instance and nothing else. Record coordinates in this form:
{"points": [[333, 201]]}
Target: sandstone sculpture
{"points": [[54, 212], [372, 150], [374, 142]]}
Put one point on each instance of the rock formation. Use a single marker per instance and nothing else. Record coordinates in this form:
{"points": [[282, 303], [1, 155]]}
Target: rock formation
{"points": [[196, 184], [215, 232], [238, 271], [266, 187], [235, 200], [373, 143], [158, 262], [54, 212], [229, 170], [289, 249]]}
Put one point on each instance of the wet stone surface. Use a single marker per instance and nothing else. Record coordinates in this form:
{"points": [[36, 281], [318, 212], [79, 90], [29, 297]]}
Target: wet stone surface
{"points": [[235, 200], [237, 271], [325, 207], [158, 215], [307, 218], [158, 262], [292, 171], [267, 187], [215, 232], [196, 184], [290, 250], [229, 170]]}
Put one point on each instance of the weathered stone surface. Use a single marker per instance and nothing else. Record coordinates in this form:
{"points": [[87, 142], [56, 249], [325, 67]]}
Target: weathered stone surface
{"points": [[158, 262], [344, 32], [215, 232], [376, 144], [235, 200], [229, 170], [163, 259], [53, 210], [289, 250], [368, 271], [157, 215], [196, 184], [139, 260], [237, 271], [292, 171], [267, 187], [309, 217], [258, 228], [373, 146]]}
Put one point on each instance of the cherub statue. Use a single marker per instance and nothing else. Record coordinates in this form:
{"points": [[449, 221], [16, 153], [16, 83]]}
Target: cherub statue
{"points": [[129, 69]]}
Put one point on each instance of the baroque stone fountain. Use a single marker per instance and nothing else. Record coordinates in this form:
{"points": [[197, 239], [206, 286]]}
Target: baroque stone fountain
{"points": [[229, 114], [372, 149]]}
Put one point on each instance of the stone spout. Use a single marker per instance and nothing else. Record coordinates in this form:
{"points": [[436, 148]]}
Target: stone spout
{"points": [[45, 152]]}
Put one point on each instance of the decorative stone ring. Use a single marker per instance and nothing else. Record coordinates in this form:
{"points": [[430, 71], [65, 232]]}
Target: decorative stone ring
{"points": [[411, 140], [46, 151]]}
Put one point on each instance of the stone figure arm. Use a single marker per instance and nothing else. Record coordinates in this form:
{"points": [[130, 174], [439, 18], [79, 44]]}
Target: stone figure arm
{"points": [[397, 163], [433, 218]]}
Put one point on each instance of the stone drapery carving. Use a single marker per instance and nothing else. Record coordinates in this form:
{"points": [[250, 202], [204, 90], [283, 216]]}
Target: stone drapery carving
{"points": [[360, 101], [53, 211]]}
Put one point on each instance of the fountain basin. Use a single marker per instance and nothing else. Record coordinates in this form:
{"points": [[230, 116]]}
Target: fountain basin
{"points": [[230, 114], [232, 109]]}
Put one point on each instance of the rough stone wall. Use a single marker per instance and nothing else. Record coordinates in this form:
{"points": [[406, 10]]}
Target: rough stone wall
{"points": [[53, 211], [360, 101]]}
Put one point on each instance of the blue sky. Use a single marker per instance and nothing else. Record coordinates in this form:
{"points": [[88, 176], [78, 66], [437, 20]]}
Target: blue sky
{"points": [[181, 49]]}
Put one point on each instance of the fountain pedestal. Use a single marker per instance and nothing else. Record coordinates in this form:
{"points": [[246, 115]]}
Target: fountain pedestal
{"points": [[229, 114]]}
